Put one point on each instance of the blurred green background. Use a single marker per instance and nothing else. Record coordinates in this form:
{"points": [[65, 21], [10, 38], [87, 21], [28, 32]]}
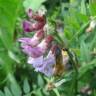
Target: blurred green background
{"points": [[17, 78]]}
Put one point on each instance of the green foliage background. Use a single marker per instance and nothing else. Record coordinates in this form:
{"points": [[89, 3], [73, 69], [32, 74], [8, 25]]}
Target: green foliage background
{"points": [[17, 78]]}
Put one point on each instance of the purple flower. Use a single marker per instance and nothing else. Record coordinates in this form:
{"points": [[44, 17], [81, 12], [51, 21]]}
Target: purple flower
{"points": [[34, 48], [35, 16], [30, 13], [39, 50], [29, 26], [48, 65], [34, 41], [39, 22], [33, 51], [25, 40], [43, 64], [36, 62]]}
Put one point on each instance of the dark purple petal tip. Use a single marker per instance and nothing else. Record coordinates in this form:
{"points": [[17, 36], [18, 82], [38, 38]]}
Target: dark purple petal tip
{"points": [[27, 26]]}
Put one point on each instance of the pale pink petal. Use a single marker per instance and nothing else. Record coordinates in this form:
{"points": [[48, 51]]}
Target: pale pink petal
{"points": [[36, 62]]}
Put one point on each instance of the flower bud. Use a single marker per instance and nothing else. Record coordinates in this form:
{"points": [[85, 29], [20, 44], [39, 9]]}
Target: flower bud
{"points": [[30, 13], [37, 26], [91, 26], [27, 26], [48, 39], [39, 34], [50, 86], [45, 44], [35, 16]]}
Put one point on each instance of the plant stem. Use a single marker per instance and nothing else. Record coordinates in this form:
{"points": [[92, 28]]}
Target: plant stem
{"points": [[60, 41], [74, 63]]}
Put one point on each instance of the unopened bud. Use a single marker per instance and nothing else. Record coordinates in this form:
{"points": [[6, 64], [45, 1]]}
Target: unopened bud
{"points": [[29, 27], [48, 39], [37, 26], [35, 16], [91, 26]]}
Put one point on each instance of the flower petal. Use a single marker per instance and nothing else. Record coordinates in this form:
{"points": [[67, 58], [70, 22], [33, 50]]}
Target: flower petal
{"points": [[36, 62], [47, 67], [32, 51], [24, 40], [32, 41], [27, 26], [35, 16]]}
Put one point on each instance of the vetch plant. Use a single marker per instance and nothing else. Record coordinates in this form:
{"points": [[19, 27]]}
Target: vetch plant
{"points": [[40, 49], [37, 21], [52, 48]]}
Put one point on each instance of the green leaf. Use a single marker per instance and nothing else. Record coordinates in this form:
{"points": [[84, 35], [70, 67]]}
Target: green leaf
{"points": [[7, 92], [13, 56], [38, 92], [82, 17], [83, 7], [6, 64], [15, 89], [86, 67], [1, 93], [40, 81], [8, 15], [92, 9], [56, 92], [79, 32], [33, 4], [26, 86], [85, 52], [9, 11]]}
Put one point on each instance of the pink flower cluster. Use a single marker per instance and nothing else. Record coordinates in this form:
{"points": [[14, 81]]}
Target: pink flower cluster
{"points": [[37, 23], [39, 45]]}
